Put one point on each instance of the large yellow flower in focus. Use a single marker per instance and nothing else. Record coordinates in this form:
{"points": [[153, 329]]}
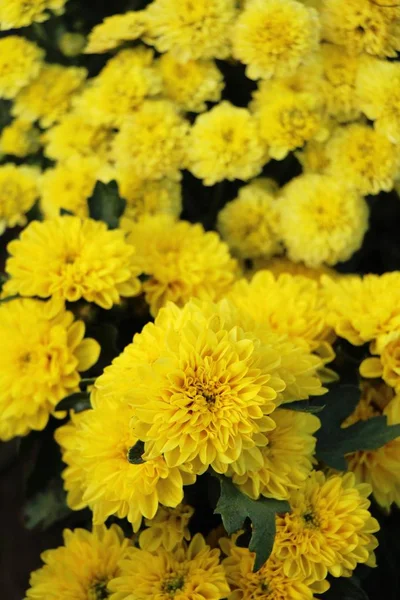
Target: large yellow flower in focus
{"points": [[70, 258], [329, 530], [82, 567], [41, 354], [191, 571], [18, 192], [20, 62]]}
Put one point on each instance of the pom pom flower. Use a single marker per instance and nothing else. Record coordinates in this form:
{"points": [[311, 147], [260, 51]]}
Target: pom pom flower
{"points": [[163, 196], [115, 30], [20, 62], [18, 192], [20, 138]]}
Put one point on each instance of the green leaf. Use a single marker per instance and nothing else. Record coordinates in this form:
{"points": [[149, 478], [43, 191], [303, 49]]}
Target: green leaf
{"points": [[9, 298], [235, 507], [64, 211], [46, 507], [303, 406], [78, 402], [105, 204], [135, 453], [334, 442], [345, 588]]}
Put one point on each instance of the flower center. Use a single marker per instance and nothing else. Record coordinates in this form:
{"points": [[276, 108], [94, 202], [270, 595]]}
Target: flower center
{"points": [[98, 591], [173, 584], [310, 519]]}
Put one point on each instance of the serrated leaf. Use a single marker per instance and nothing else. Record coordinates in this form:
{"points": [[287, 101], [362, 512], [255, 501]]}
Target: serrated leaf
{"points": [[78, 402], [135, 453], [235, 507], [105, 204], [304, 406], [345, 588], [46, 507]]}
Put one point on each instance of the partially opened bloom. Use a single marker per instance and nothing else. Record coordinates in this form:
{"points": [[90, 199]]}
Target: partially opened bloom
{"points": [[82, 568], [70, 258], [42, 352], [115, 30], [20, 62], [18, 193], [167, 529]]}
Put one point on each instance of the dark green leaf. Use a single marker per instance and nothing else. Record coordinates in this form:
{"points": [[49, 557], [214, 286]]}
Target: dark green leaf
{"points": [[46, 507], [135, 453], [64, 211], [303, 406], [106, 204], [345, 588], [235, 507], [78, 402]]}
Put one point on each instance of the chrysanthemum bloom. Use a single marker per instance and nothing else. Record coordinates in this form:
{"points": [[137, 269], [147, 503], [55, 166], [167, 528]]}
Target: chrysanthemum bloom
{"points": [[113, 485], [387, 363], [274, 37], [42, 352], [82, 568], [202, 387], [180, 259], [190, 571], [224, 144], [20, 138], [67, 186], [380, 468], [115, 30], [18, 193], [351, 312], [371, 26], [21, 13], [190, 84], [168, 528], [20, 62], [153, 142], [70, 258], [144, 197], [249, 224], [329, 529], [286, 460], [120, 88], [322, 221], [48, 96], [191, 30], [364, 158]]}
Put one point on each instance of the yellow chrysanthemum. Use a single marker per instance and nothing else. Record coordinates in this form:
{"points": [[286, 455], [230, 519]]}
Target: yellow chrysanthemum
{"points": [[249, 224], [82, 567], [191, 30], [21, 13], [371, 26], [20, 62], [224, 144], [41, 353], [387, 363], [352, 312], [168, 528], [181, 260], [48, 96], [163, 196], [329, 529], [113, 485], [322, 221], [364, 158], [286, 460], [281, 264], [70, 258], [67, 186], [190, 84], [274, 38], [152, 143], [380, 468], [18, 193], [20, 138], [190, 571], [115, 30]]}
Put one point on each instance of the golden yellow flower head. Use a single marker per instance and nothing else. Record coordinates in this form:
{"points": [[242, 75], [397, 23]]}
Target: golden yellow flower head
{"points": [[274, 38], [70, 258], [115, 30], [190, 84], [286, 460], [20, 138], [191, 30], [152, 143], [364, 158], [329, 530], [387, 363], [371, 26], [67, 186], [144, 197], [224, 144], [114, 485], [48, 97], [190, 571], [181, 260], [20, 62], [21, 13], [352, 311], [322, 221], [18, 193], [42, 352], [281, 264], [82, 567], [249, 224], [168, 528]]}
